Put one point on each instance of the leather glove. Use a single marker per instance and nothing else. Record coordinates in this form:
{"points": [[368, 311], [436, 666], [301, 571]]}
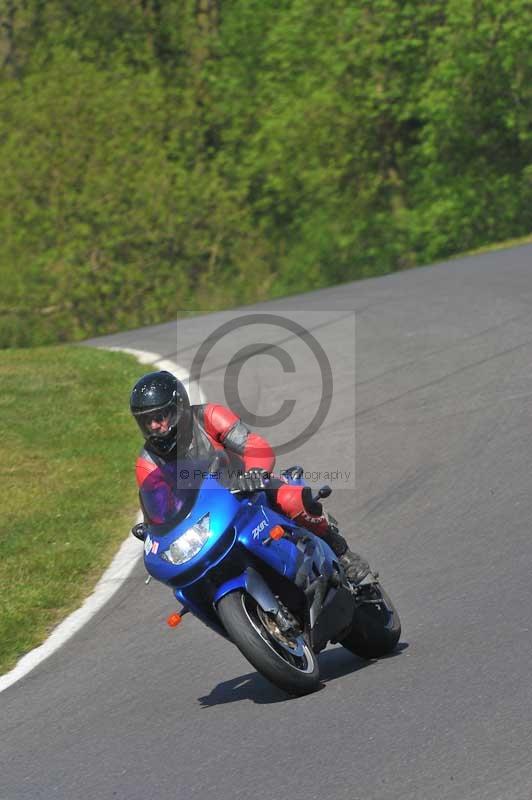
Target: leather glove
{"points": [[292, 473], [253, 480]]}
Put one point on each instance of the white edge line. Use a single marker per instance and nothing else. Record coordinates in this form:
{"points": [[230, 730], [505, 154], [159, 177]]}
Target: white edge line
{"points": [[119, 569]]}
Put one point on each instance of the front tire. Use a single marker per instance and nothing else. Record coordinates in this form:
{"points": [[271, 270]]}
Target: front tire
{"points": [[376, 626], [290, 664]]}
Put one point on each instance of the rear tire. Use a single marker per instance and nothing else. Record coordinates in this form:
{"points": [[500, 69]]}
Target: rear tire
{"points": [[293, 668], [376, 626]]}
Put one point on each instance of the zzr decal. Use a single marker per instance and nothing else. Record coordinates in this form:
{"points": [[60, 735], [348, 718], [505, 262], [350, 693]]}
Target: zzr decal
{"points": [[260, 527]]}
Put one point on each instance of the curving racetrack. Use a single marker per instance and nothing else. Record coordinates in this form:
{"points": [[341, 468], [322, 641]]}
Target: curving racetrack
{"points": [[443, 508]]}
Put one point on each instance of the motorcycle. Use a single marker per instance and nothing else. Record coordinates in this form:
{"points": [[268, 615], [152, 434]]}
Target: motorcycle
{"points": [[272, 588]]}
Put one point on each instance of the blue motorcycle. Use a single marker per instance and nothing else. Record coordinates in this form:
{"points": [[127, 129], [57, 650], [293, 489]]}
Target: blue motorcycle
{"points": [[272, 588]]}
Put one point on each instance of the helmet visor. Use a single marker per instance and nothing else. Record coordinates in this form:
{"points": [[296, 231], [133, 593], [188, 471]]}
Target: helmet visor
{"points": [[158, 422]]}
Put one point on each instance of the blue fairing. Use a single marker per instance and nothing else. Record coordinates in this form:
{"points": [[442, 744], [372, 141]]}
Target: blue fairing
{"points": [[222, 506], [238, 529]]}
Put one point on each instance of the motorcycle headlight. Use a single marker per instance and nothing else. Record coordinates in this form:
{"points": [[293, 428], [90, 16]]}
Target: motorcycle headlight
{"points": [[190, 543]]}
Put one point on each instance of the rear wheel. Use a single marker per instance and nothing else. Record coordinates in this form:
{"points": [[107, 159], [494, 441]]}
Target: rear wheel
{"points": [[285, 659], [376, 625]]}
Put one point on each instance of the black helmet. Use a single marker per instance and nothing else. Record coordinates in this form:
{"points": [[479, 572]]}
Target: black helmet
{"points": [[160, 404]]}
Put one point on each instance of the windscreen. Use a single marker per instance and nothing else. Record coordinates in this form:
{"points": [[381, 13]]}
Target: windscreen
{"points": [[169, 492]]}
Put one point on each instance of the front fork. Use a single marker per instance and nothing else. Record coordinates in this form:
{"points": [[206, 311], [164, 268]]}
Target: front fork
{"points": [[255, 585]]}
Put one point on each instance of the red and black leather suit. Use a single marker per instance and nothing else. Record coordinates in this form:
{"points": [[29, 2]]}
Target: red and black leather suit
{"points": [[215, 427]]}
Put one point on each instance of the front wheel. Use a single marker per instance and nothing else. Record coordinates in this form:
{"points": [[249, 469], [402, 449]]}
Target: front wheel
{"points": [[287, 661], [376, 626]]}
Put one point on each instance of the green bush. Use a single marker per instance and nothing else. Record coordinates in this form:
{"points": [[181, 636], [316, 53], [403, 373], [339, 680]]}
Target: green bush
{"points": [[160, 156]]}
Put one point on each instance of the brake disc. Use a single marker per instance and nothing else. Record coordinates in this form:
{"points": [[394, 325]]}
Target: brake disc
{"points": [[272, 627]]}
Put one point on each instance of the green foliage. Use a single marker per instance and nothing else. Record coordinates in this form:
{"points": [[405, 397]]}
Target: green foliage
{"points": [[161, 155]]}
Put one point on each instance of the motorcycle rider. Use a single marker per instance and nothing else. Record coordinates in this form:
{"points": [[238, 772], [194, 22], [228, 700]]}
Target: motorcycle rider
{"points": [[176, 431]]}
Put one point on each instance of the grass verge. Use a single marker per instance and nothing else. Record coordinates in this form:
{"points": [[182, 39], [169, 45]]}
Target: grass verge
{"points": [[66, 482], [489, 248]]}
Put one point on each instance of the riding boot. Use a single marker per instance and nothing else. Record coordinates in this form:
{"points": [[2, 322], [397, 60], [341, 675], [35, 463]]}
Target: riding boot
{"points": [[356, 567]]}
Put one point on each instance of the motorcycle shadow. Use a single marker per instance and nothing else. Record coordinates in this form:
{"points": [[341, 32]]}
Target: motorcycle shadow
{"points": [[334, 663], [246, 687]]}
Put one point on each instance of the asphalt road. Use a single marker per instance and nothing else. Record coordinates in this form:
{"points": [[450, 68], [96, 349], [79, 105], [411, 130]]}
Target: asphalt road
{"points": [[441, 506]]}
